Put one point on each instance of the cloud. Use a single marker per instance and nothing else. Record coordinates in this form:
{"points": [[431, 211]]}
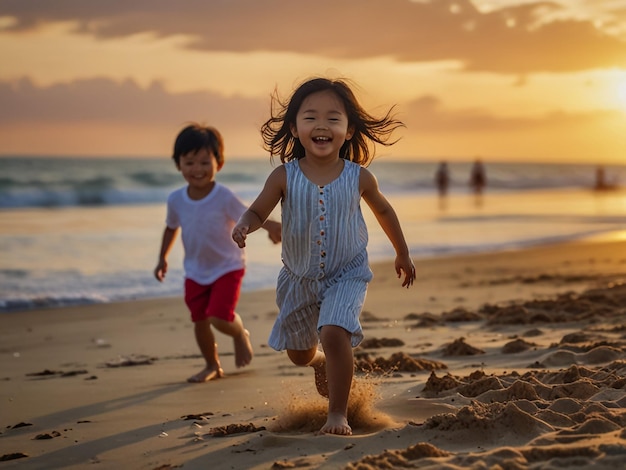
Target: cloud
{"points": [[104, 100], [511, 40], [104, 117], [427, 115]]}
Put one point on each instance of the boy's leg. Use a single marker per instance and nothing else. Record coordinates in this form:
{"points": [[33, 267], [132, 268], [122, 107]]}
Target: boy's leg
{"points": [[241, 338], [221, 312], [197, 298], [208, 348], [339, 370]]}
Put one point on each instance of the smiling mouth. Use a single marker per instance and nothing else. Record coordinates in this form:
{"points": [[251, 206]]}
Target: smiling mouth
{"points": [[321, 139]]}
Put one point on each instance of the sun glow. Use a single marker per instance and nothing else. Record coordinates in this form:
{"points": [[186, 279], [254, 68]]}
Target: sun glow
{"points": [[621, 92]]}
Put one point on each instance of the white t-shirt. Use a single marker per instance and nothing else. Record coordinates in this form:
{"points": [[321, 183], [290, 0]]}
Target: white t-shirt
{"points": [[206, 226]]}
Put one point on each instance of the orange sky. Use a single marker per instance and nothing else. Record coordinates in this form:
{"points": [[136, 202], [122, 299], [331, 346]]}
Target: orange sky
{"points": [[504, 79]]}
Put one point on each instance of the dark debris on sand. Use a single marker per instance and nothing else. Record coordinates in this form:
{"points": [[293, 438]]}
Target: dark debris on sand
{"points": [[230, 429], [367, 317], [20, 425], [198, 416], [397, 362], [376, 343], [460, 348], [13, 456], [132, 360], [57, 373], [47, 435], [517, 345]]}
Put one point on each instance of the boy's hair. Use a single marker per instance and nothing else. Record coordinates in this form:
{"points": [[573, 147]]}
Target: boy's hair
{"points": [[276, 131], [196, 137]]}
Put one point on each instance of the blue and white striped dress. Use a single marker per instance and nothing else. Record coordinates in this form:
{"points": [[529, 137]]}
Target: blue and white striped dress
{"points": [[324, 248]]}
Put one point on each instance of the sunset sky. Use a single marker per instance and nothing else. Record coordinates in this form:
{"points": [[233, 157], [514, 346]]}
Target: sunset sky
{"points": [[518, 80]]}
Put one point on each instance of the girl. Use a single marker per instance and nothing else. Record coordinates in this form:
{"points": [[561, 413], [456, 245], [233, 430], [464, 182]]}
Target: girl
{"points": [[322, 135]]}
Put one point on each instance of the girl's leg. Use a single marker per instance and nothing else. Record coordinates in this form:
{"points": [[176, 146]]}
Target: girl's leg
{"points": [[339, 370], [241, 338], [302, 357], [208, 348], [315, 358]]}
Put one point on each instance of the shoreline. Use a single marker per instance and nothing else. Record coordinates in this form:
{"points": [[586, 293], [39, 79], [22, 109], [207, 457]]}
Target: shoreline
{"points": [[614, 236], [84, 265], [105, 383]]}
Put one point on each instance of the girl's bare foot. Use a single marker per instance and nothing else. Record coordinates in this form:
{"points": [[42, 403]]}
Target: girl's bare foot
{"points": [[320, 378], [336, 423], [243, 349], [206, 374]]}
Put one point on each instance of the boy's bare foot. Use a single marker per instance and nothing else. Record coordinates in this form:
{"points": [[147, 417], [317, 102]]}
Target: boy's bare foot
{"points": [[206, 374], [243, 349], [320, 379], [336, 423]]}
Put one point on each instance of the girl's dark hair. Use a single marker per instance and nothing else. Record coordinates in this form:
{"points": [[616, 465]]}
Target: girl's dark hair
{"points": [[195, 137], [276, 131]]}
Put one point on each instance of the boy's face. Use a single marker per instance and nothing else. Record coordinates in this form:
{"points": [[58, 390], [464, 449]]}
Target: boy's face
{"points": [[199, 169]]}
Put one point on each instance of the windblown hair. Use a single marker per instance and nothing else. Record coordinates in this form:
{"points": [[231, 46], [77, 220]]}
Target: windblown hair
{"points": [[368, 130], [196, 137]]}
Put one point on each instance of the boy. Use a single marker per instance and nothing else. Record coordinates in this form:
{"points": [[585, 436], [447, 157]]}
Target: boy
{"points": [[206, 211]]}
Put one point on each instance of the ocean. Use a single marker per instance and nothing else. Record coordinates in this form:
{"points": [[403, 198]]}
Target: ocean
{"points": [[87, 230]]}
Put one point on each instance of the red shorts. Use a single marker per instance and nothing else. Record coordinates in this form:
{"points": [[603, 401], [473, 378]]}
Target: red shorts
{"points": [[215, 300]]}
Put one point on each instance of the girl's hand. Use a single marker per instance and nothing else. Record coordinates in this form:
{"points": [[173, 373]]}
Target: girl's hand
{"points": [[405, 264], [240, 233]]}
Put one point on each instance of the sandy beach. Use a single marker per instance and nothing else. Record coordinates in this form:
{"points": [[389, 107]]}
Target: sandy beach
{"points": [[516, 359]]}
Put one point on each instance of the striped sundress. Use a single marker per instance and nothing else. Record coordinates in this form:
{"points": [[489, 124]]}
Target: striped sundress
{"points": [[325, 265]]}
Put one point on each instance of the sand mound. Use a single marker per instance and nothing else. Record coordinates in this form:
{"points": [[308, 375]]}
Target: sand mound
{"points": [[557, 419]]}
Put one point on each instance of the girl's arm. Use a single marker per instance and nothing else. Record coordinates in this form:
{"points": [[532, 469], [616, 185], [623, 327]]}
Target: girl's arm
{"points": [[169, 236], [388, 220], [256, 215]]}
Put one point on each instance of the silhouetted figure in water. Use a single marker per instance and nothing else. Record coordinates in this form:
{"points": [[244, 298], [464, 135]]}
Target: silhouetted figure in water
{"points": [[600, 178], [601, 183], [478, 180], [442, 180]]}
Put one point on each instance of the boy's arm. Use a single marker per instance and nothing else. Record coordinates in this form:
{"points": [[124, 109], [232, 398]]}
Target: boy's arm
{"points": [[169, 236], [274, 230], [388, 220], [258, 212]]}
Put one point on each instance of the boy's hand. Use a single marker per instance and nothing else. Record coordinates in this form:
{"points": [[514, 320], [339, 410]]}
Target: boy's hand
{"points": [[240, 233], [160, 270], [274, 230], [404, 264]]}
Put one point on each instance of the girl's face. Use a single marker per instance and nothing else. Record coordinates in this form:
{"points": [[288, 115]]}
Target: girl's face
{"points": [[199, 170], [322, 125]]}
